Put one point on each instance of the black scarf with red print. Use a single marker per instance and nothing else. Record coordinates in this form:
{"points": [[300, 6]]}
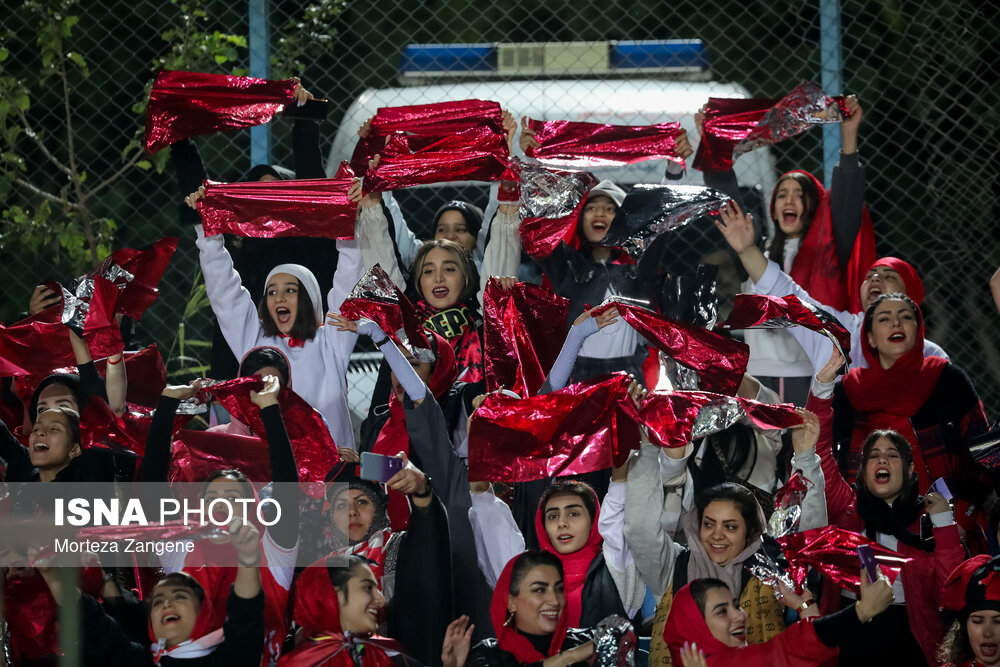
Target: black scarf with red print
{"points": [[460, 325]]}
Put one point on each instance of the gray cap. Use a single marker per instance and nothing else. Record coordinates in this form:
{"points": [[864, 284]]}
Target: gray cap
{"points": [[610, 190]]}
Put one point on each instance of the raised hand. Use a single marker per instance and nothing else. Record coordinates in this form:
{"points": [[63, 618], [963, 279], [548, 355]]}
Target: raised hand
{"points": [[805, 435], [457, 639], [527, 139], [192, 199], [42, 298], [269, 394], [828, 373], [737, 227]]}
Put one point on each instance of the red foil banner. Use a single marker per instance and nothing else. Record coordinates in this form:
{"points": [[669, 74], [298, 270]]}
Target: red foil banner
{"points": [[759, 311], [35, 345], [523, 331], [186, 104], [377, 298], [137, 272], [103, 429], [792, 493], [582, 428], [719, 361], [673, 419], [834, 552], [100, 330], [581, 144], [146, 374], [313, 447], [476, 154], [424, 120], [197, 454], [317, 207], [736, 126], [551, 203]]}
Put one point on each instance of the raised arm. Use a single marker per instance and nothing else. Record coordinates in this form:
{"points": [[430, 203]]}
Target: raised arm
{"points": [[498, 538], [231, 302], [847, 188], [306, 154], [807, 461], [654, 551], [284, 472], [840, 497], [584, 326], [372, 233], [156, 460], [502, 254]]}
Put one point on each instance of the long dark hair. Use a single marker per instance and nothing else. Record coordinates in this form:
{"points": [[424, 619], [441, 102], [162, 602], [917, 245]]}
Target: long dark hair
{"points": [[810, 203], [726, 454], [956, 649], [304, 326]]}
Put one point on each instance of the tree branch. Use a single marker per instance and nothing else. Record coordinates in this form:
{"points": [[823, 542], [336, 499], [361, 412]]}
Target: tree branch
{"points": [[45, 151], [112, 178], [45, 195]]}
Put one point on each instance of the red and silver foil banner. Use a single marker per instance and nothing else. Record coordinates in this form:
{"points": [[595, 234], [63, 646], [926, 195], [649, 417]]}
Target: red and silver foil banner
{"points": [[377, 298], [834, 552], [186, 104], [35, 345], [313, 446], [424, 120], [317, 207], [476, 154], [720, 362], [582, 428], [614, 643], [652, 210], [759, 311], [523, 331], [735, 126], [90, 312], [137, 272], [673, 419], [551, 202], [579, 144]]}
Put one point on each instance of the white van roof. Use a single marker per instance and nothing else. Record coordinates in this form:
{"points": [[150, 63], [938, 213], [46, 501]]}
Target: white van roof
{"points": [[632, 101]]}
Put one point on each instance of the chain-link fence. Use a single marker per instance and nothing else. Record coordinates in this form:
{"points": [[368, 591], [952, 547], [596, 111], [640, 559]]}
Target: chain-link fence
{"points": [[73, 73]]}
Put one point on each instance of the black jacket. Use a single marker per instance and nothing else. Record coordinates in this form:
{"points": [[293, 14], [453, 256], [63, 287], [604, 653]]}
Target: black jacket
{"points": [[488, 653]]}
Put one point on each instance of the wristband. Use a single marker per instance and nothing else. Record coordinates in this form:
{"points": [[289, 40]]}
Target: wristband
{"points": [[115, 363], [427, 488], [256, 563], [382, 342]]}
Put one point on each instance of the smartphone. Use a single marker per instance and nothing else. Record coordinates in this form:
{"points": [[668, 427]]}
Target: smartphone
{"points": [[939, 486], [379, 468], [867, 557]]}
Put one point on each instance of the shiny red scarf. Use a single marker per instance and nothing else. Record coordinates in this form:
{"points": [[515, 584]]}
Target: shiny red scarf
{"points": [[890, 396], [575, 565], [508, 637], [317, 610]]}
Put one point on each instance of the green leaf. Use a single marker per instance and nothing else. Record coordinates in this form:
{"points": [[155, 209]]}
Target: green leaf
{"points": [[220, 59], [77, 59], [145, 165], [22, 101]]}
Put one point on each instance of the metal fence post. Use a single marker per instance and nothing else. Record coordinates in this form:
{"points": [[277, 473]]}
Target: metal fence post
{"points": [[832, 81], [260, 61]]}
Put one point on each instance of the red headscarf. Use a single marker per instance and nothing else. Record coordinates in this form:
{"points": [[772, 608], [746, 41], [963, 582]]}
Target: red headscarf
{"points": [[817, 267], [890, 396], [972, 586], [797, 646], [914, 286], [576, 564], [508, 637], [205, 635], [393, 438], [317, 610]]}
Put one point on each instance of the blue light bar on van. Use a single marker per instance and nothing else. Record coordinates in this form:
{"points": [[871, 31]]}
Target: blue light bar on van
{"points": [[664, 54], [471, 61], [450, 59]]}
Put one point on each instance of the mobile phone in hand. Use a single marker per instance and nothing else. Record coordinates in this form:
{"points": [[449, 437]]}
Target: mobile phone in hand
{"points": [[867, 557], [940, 487], [379, 468]]}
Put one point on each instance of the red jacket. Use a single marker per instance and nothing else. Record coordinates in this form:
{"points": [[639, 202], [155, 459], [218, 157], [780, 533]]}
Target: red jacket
{"points": [[924, 576]]}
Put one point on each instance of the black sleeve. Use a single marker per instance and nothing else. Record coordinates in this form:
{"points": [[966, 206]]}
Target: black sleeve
{"points": [[306, 154], [14, 457], [423, 572], [726, 183], [556, 265], [156, 461], [838, 628], [847, 201], [190, 174], [243, 630], [104, 643], [91, 383], [285, 474]]}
